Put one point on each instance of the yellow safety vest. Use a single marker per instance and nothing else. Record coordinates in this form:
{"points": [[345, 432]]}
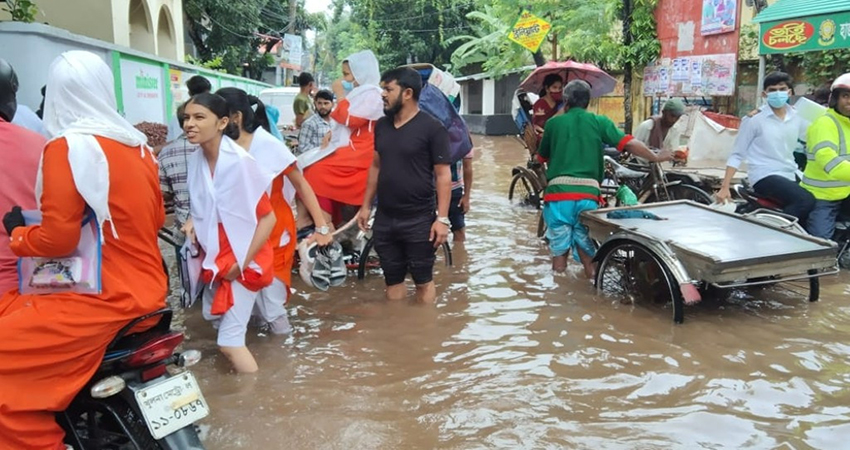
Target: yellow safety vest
{"points": [[827, 174]]}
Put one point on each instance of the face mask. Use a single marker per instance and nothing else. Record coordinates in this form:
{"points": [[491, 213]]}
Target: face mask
{"points": [[347, 85], [557, 96], [777, 99]]}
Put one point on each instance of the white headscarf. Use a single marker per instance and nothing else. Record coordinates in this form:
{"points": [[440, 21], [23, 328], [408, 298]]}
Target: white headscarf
{"points": [[364, 101], [79, 105]]}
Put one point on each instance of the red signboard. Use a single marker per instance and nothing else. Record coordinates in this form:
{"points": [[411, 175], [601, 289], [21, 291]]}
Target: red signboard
{"points": [[788, 35]]}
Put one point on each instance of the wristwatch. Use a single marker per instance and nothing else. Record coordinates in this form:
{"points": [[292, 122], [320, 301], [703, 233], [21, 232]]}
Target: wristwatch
{"points": [[323, 230], [445, 221]]}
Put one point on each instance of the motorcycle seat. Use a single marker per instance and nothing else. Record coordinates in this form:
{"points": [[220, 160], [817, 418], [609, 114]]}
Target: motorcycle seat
{"points": [[128, 339]]}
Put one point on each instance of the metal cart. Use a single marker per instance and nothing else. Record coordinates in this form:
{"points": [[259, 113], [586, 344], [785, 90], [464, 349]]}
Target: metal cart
{"points": [[696, 248]]}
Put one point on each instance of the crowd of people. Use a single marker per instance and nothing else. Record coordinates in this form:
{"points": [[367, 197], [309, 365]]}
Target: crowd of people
{"points": [[366, 153], [232, 183], [815, 192]]}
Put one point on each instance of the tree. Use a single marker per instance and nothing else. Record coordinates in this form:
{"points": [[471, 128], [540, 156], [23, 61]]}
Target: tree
{"points": [[21, 10], [411, 31], [235, 31], [613, 34]]}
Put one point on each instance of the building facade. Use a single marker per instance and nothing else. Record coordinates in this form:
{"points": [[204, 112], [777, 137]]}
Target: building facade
{"points": [[150, 26]]}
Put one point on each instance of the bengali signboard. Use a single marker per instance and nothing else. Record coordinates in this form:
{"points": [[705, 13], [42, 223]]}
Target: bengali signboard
{"points": [[718, 16], [704, 75], [529, 31], [824, 32], [291, 51], [142, 90]]}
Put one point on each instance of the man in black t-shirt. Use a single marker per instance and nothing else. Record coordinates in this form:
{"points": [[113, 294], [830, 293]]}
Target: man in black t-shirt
{"points": [[411, 162]]}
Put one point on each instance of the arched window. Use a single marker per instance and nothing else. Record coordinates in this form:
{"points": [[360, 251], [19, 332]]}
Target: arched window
{"points": [[141, 28], [166, 44]]}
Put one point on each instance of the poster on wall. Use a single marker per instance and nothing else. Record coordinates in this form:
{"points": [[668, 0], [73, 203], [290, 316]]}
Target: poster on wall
{"points": [[179, 93], [681, 69], [142, 91], [705, 75], [718, 16]]}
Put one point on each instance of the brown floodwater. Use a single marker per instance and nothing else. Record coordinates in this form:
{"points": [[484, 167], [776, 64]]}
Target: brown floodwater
{"points": [[513, 357]]}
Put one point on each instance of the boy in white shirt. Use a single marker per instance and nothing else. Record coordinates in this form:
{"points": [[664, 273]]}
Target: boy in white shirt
{"points": [[767, 141]]}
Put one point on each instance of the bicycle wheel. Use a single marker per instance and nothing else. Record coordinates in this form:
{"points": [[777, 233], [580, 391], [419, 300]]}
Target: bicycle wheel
{"points": [[368, 259], [523, 191], [633, 274], [447, 254], [683, 192]]}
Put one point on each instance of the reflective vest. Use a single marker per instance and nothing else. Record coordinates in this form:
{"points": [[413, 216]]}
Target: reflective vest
{"points": [[827, 174]]}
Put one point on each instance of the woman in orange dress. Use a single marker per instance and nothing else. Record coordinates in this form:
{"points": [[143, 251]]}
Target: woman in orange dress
{"points": [[51, 344], [338, 171]]}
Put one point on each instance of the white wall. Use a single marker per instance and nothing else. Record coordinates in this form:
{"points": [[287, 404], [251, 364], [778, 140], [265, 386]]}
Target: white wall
{"points": [[30, 54]]}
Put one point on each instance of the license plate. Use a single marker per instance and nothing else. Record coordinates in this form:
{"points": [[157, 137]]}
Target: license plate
{"points": [[172, 404]]}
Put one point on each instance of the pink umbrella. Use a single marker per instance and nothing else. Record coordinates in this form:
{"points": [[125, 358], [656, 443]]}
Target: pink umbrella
{"points": [[600, 82]]}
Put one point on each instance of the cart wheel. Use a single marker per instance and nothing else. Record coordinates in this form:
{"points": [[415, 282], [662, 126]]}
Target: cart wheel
{"points": [[814, 286], [523, 191], [632, 273], [683, 192], [541, 226], [368, 259]]}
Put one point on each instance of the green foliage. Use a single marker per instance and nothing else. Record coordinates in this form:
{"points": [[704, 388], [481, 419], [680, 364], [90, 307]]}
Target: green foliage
{"points": [[21, 10], [820, 67], [584, 30], [341, 38], [645, 46], [214, 64], [233, 31], [410, 31]]}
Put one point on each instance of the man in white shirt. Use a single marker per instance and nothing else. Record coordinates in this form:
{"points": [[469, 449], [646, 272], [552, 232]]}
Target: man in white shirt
{"points": [[767, 142]]}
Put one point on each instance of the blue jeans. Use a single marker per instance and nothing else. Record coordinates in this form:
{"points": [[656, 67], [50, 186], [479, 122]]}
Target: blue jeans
{"points": [[821, 221]]}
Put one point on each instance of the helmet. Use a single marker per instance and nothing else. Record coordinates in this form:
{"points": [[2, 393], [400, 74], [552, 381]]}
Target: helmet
{"points": [[842, 82], [8, 91]]}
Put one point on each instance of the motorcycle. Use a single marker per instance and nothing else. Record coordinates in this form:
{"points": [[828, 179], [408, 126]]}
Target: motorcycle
{"points": [[752, 202], [142, 397]]}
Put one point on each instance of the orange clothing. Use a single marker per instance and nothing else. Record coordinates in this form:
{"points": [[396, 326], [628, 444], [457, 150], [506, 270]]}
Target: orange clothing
{"points": [[342, 176], [251, 279], [51, 345], [284, 255]]}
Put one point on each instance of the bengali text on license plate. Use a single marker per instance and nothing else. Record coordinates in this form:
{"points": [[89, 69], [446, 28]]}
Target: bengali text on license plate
{"points": [[172, 404]]}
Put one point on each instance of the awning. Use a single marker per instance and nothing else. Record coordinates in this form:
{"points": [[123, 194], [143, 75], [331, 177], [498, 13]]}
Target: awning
{"points": [[804, 25]]}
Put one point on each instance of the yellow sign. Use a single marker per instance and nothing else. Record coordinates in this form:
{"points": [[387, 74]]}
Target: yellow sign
{"points": [[529, 31]]}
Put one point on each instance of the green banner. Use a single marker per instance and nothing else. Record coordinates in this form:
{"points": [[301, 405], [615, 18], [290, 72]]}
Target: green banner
{"points": [[824, 32]]}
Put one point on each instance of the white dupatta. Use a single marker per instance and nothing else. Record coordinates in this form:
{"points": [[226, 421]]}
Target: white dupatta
{"points": [[364, 101], [274, 157], [80, 104], [229, 196]]}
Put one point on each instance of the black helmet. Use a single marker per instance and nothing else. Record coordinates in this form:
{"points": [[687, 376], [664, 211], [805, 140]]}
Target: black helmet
{"points": [[8, 91]]}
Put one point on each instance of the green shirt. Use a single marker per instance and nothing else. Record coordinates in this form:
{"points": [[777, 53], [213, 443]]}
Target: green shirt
{"points": [[573, 144], [301, 104]]}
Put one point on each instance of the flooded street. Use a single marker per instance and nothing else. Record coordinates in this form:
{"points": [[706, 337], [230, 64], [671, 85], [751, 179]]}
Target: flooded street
{"points": [[512, 357]]}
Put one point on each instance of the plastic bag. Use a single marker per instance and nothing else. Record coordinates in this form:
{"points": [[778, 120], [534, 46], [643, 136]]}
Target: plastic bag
{"points": [[625, 196], [79, 272]]}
